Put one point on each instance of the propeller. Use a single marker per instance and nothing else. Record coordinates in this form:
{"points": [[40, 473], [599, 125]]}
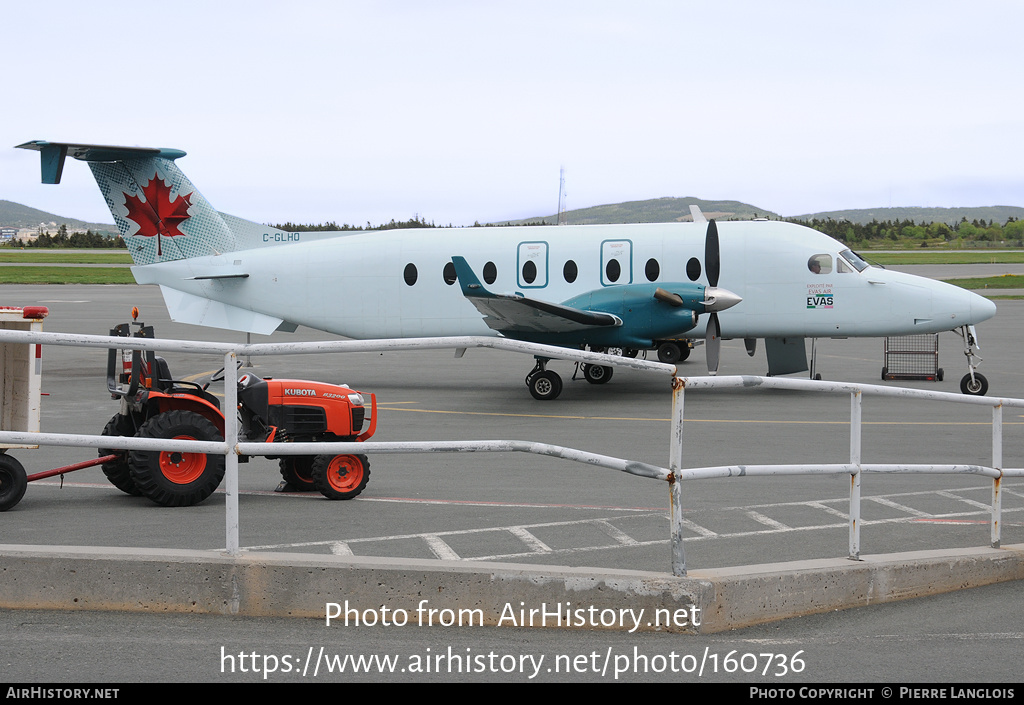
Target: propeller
{"points": [[715, 299]]}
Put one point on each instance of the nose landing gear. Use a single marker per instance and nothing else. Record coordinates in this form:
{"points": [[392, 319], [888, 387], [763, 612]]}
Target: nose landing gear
{"points": [[973, 383]]}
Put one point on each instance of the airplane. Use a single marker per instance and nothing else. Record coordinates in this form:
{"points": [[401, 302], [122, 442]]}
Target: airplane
{"points": [[620, 288]]}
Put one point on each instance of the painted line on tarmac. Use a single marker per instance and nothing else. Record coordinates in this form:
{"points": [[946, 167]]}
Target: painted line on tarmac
{"points": [[395, 500]]}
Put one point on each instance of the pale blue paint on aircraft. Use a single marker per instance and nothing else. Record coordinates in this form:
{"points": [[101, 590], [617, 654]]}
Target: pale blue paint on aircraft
{"points": [[633, 287]]}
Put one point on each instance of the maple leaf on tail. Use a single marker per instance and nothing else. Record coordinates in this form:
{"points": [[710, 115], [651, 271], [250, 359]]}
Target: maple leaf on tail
{"points": [[157, 215]]}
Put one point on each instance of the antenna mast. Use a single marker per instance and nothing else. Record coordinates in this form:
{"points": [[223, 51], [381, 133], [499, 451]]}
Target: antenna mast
{"points": [[562, 217]]}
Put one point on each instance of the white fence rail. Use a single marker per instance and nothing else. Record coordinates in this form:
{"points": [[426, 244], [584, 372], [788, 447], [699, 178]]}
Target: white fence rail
{"points": [[674, 474], [855, 468]]}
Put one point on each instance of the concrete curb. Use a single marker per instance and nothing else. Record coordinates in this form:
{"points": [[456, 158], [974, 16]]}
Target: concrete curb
{"points": [[375, 590]]}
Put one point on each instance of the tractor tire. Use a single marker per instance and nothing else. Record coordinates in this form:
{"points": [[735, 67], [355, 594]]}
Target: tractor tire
{"points": [[13, 482], [175, 479], [117, 471], [297, 472], [340, 476]]}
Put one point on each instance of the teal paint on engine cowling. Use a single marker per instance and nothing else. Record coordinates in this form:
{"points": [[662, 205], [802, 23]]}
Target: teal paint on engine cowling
{"points": [[644, 318]]}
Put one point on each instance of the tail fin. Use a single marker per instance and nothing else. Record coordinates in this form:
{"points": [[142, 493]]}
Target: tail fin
{"points": [[159, 213]]}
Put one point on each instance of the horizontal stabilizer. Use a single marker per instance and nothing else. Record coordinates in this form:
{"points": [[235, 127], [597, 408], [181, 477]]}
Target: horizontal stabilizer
{"points": [[52, 155], [188, 308]]}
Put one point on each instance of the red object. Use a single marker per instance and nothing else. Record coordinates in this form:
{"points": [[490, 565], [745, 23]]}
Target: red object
{"points": [[28, 311]]}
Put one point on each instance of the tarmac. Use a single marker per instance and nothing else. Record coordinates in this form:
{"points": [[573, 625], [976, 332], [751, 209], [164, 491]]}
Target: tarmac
{"points": [[486, 534]]}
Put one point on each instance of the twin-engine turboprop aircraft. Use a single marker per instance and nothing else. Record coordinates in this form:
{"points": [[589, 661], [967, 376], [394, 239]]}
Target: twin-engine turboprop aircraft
{"points": [[606, 287]]}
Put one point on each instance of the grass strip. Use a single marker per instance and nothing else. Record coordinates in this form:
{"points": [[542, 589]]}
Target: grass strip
{"points": [[66, 275]]}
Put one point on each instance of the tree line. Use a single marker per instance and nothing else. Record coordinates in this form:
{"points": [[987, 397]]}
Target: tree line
{"points": [[923, 234], [87, 240]]}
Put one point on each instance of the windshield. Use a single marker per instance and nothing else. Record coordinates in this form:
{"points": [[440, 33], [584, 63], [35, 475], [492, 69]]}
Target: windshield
{"points": [[854, 259]]}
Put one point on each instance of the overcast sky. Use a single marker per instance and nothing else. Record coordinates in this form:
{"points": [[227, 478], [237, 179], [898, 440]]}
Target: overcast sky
{"points": [[462, 111]]}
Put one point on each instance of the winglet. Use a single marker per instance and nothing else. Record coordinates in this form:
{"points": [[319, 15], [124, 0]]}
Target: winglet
{"points": [[468, 280], [697, 214]]}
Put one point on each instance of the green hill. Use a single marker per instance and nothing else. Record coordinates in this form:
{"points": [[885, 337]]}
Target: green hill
{"points": [[949, 216], [19, 216], [656, 210]]}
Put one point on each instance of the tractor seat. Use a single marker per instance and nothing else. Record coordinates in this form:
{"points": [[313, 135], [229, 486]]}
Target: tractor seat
{"points": [[166, 384]]}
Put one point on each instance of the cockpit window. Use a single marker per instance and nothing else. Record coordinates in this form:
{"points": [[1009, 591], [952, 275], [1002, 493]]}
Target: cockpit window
{"points": [[820, 264], [842, 266], [853, 258]]}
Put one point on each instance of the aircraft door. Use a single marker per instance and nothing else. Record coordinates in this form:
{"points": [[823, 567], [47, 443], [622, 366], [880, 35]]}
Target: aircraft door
{"points": [[616, 262], [532, 265]]}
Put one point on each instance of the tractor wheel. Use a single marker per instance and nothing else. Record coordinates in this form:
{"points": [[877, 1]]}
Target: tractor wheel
{"points": [[13, 482], [117, 471], [175, 479], [297, 471], [340, 476]]}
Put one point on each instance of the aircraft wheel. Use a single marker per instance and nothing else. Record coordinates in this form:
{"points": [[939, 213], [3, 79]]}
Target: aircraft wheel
{"points": [[597, 374], [117, 471], [669, 353], [13, 482], [545, 385], [976, 387], [175, 479], [340, 476]]}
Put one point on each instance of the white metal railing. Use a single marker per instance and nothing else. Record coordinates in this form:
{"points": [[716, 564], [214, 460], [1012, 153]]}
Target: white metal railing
{"points": [[674, 474], [855, 468], [231, 450]]}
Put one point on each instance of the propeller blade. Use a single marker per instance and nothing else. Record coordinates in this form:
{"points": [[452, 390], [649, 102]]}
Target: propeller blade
{"points": [[713, 343], [712, 256]]}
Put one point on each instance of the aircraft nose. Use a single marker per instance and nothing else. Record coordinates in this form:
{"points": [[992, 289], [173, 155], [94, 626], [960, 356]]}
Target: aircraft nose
{"points": [[982, 309]]}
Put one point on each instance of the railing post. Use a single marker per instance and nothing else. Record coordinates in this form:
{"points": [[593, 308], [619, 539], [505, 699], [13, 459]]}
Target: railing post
{"points": [[997, 463], [675, 462], [230, 455], [855, 459]]}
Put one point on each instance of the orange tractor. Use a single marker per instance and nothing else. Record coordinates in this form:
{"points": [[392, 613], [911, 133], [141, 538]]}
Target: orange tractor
{"points": [[154, 405]]}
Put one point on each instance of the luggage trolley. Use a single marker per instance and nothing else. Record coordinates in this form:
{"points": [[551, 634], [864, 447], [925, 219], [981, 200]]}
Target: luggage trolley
{"points": [[21, 367], [912, 357]]}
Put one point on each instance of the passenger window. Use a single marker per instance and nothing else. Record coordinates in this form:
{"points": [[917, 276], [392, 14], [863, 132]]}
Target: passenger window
{"points": [[693, 269], [529, 271], [449, 274], [490, 273], [410, 274], [569, 271], [652, 270], [612, 270], [820, 264]]}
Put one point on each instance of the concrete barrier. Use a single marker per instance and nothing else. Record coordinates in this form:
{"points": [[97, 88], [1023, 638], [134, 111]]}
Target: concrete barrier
{"points": [[449, 592]]}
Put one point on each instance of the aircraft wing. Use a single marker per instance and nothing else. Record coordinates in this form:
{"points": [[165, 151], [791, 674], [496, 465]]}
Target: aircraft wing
{"points": [[515, 313]]}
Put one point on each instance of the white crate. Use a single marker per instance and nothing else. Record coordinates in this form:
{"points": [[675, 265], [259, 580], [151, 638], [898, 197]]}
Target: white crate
{"points": [[21, 364]]}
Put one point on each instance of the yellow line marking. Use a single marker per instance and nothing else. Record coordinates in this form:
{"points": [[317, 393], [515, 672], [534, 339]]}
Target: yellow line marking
{"points": [[685, 421]]}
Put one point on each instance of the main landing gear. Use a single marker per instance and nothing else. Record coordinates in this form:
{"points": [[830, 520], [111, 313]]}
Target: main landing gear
{"points": [[545, 384], [973, 383]]}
